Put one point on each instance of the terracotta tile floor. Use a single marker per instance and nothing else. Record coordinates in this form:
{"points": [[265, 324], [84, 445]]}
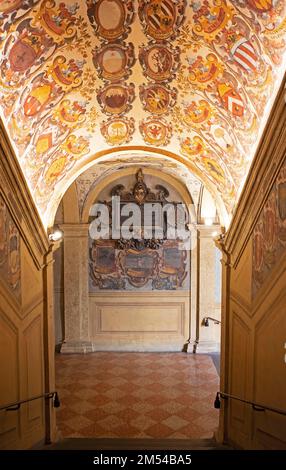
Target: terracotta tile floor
{"points": [[137, 395]]}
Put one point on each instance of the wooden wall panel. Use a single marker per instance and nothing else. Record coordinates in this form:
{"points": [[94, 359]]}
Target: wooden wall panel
{"points": [[254, 366], [239, 375], [33, 353], [23, 252], [9, 383]]}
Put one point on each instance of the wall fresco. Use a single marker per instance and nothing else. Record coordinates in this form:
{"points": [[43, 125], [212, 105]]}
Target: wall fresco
{"points": [[10, 262], [166, 268], [147, 264], [269, 235], [206, 69]]}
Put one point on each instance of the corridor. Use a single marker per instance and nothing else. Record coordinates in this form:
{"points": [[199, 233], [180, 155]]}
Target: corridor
{"points": [[137, 395]]}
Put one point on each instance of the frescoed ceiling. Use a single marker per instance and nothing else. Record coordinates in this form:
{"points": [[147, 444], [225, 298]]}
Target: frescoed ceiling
{"points": [[193, 80]]}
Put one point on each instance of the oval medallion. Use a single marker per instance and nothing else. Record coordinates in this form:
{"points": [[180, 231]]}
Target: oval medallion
{"points": [[110, 18], [157, 98], [117, 131], [161, 18], [114, 61], [159, 62], [110, 15], [116, 99], [156, 131]]}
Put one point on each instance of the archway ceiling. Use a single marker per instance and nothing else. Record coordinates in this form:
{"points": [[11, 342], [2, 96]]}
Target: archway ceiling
{"points": [[196, 79], [98, 172]]}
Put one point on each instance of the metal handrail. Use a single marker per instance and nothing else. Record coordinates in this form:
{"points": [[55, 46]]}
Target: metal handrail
{"points": [[16, 405], [255, 406], [206, 319]]}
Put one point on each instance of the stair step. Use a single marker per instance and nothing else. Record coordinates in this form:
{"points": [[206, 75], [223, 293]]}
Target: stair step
{"points": [[135, 444]]}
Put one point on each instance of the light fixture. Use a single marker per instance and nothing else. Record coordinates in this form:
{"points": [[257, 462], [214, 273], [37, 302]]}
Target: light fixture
{"points": [[205, 321], [56, 235]]}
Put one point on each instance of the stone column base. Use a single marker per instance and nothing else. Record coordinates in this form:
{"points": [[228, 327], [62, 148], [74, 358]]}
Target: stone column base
{"points": [[205, 347], [77, 347], [190, 347]]}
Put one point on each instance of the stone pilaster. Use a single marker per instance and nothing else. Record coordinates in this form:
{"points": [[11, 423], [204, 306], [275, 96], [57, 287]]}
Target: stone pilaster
{"points": [[191, 344], [49, 344], [208, 338], [221, 433], [76, 300]]}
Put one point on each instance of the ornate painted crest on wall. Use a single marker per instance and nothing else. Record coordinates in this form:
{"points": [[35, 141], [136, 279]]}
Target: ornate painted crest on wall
{"points": [[155, 131], [157, 99], [210, 18], [24, 51], [204, 158], [117, 131], [269, 235], [161, 18], [159, 61], [281, 206], [173, 270], [231, 99], [57, 19], [9, 5], [242, 50], [70, 113], [3, 232], [116, 98], [203, 70], [197, 113], [138, 266], [114, 61], [110, 18], [128, 269], [103, 266], [10, 257], [71, 149], [261, 5], [66, 73]]}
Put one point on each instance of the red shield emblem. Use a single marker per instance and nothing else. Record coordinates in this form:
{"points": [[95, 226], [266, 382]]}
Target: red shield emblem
{"points": [[244, 54], [260, 5], [231, 100], [22, 56]]}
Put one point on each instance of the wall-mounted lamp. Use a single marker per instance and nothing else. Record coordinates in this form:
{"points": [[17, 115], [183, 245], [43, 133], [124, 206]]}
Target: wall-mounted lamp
{"points": [[56, 235], [205, 322]]}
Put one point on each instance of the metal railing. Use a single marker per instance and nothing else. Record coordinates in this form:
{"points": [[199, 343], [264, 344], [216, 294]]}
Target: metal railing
{"points": [[17, 404], [205, 321], [255, 406]]}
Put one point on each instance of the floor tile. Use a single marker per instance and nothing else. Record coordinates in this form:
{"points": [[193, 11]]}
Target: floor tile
{"points": [[136, 395]]}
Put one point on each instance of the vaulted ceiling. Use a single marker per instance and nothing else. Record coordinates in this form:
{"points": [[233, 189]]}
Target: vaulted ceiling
{"points": [[84, 81]]}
